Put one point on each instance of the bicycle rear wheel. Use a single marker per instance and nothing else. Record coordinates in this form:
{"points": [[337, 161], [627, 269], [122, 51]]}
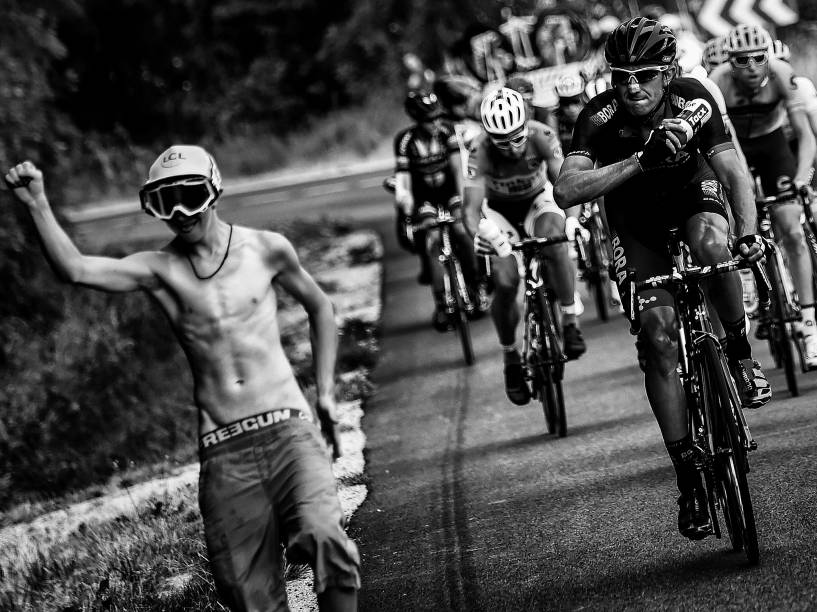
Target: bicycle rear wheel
{"points": [[731, 464], [460, 316]]}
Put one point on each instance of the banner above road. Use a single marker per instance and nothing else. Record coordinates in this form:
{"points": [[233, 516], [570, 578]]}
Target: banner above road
{"points": [[719, 16]]}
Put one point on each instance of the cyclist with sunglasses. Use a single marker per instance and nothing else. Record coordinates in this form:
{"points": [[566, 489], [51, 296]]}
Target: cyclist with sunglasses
{"points": [[266, 479], [510, 165], [759, 91], [428, 176], [656, 173]]}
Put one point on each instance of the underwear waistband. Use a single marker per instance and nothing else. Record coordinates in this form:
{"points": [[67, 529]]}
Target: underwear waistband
{"points": [[250, 424]]}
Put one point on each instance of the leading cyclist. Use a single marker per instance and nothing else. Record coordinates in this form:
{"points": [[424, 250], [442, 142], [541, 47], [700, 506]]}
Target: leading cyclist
{"points": [[506, 165], [758, 90], [654, 178]]}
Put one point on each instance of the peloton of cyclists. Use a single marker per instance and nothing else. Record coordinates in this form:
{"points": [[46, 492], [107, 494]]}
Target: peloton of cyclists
{"points": [[758, 90], [510, 164], [428, 177], [629, 146]]}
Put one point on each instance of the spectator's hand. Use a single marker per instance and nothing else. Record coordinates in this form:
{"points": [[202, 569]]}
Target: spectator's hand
{"points": [[750, 247], [26, 182], [326, 407]]}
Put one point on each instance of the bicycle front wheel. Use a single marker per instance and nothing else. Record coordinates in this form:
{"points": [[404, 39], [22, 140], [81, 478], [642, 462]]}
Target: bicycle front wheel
{"points": [[731, 464], [460, 316]]}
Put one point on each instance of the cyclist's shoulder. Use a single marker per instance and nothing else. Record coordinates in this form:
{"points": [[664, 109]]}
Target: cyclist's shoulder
{"points": [[539, 129], [722, 76], [404, 136], [806, 85], [686, 87], [599, 110]]}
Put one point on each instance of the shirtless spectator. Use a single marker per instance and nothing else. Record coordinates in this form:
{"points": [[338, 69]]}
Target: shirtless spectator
{"points": [[266, 477]]}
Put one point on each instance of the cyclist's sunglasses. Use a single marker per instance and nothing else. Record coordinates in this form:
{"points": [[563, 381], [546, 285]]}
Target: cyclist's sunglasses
{"points": [[622, 76], [742, 61], [513, 142], [188, 196]]}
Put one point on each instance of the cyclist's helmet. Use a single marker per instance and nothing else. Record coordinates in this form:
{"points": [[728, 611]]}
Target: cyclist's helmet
{"points": [[714, 53], [181, 162], [521, 85], [744, 37], [570, 87], [503, 112], [640, 42], [781, 50], [422, 105]]}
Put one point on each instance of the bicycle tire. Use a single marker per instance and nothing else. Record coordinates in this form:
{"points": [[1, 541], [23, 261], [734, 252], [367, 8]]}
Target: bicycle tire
{"points": [[731, 464], [601, 277], [460, 318], [555, 414], [779, 335]]}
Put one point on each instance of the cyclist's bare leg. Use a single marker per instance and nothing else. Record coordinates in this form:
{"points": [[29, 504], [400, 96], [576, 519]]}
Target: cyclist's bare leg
{"points": [[505, 310], [561, 269], [707, 234], [658, 351], [789, 233]]}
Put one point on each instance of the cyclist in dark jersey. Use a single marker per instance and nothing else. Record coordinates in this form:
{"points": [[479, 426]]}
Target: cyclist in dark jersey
{"points": [[428, 176], [628, 146]]}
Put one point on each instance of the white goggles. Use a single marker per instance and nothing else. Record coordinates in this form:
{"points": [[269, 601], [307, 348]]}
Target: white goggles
{"points": [[189, 196]]}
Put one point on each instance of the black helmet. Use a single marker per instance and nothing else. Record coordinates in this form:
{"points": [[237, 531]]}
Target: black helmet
{"points": [[422, 105], [640, 42]]}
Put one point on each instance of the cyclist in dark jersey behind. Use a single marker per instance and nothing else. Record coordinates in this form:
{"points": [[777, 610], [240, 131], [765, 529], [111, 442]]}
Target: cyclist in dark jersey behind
{"points": [[655, 176], [428, 176]]}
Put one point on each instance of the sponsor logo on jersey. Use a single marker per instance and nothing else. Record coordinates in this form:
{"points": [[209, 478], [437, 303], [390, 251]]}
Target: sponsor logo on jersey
{"points": [[677, 100], [710, 189], [605, 114], [619, 260]]}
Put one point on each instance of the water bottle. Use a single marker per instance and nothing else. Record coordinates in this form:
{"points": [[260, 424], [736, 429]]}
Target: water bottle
{"points": [[490, 231], [696, 113]]}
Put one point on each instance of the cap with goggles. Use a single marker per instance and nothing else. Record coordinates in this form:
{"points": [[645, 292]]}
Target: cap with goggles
{"points": [[183, 179]]}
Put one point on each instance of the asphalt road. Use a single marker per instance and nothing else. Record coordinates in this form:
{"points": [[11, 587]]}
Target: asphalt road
{"points": [[472, 506]]}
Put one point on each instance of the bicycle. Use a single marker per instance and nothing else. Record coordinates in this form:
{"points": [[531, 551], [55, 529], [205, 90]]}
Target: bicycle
{"points": [[459, 305], [594, 258], [721, 435], [542, 355]]}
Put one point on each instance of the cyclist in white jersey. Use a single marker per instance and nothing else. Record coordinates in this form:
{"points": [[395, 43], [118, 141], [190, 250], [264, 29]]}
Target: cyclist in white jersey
{"points": [[806, 92], [758, 90], [510, 165]]}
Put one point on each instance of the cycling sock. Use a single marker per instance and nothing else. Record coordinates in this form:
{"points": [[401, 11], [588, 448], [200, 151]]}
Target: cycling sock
{"points": [[737, 344], [682, 454], [809, 324], [510, 352]]}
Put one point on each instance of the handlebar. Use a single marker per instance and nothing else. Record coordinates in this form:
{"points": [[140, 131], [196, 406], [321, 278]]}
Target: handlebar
{"points": [[691, 275], [803, 193], [439, 221]]}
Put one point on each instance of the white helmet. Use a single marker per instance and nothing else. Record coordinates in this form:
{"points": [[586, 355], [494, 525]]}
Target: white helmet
{"points": [[781, 50], [747, 37], [503, 112]]}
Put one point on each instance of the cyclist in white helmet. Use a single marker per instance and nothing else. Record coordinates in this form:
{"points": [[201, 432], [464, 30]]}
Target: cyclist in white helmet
{"points": [[510, 166], [714, 53], [266, 480], [760, 91]]}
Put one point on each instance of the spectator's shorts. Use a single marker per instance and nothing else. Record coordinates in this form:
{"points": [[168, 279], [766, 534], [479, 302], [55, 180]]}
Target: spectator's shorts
{"points": [[266, 481]]}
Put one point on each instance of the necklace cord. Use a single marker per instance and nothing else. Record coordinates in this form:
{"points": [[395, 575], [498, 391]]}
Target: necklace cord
{"points": [[223, 259]]}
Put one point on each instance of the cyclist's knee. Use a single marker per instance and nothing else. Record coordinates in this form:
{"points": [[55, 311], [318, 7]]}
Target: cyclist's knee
{"points": [[549, 225], [657, 342], [793, 239]]}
